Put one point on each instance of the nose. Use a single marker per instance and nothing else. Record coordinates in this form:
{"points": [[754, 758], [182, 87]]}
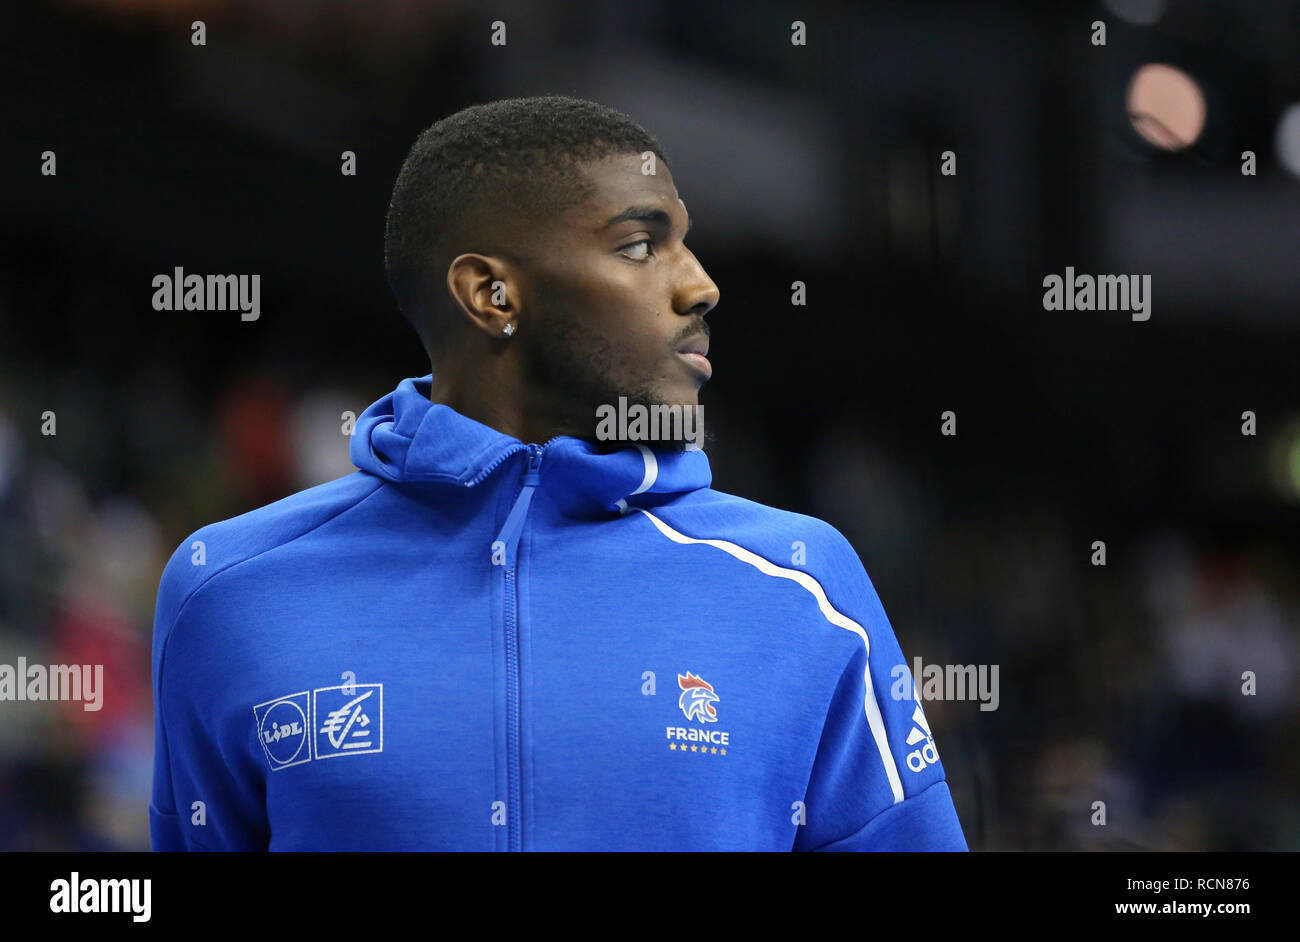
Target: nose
{"points": [[696, 294]]}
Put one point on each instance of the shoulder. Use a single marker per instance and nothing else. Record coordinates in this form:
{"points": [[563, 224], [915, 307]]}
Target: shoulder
{"points": [[770, 531], [807, 549], [227, 545]]}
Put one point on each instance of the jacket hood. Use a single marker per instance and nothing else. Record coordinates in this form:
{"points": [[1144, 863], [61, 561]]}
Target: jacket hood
{"points": [[406, 438]]}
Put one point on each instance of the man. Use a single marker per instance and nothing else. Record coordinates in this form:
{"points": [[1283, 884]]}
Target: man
{"points": [[510, 633]]}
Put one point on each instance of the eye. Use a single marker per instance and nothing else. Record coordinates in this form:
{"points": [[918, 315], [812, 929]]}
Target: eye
{"points": [[646, 242]]}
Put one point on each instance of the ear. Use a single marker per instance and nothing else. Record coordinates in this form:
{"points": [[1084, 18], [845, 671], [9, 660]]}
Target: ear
{"points": [[483, 288]]}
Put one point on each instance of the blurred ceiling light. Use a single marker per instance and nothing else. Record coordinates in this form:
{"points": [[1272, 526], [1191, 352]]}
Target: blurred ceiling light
{"points": [[1287, 140], [1137, 12], [1293, 465], [1284, 460], [1166, 106]]}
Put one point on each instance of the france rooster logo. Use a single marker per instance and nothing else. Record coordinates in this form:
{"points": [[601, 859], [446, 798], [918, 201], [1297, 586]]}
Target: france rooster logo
{"points": [[697, 698]]}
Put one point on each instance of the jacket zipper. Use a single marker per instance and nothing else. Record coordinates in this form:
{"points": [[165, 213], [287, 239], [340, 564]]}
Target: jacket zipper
{"points": [[509, 535]]}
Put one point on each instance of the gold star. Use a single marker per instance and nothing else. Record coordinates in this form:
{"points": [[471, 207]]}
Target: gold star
{"points": [[714, 750], [672, 745], [693, 748], [724, 752]]}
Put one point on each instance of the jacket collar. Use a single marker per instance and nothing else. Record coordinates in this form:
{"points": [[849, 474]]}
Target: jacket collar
{"points": [[405, 437]]}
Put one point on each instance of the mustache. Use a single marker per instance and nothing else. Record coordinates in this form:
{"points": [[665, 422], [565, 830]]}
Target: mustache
{"points": [[696, 327]]}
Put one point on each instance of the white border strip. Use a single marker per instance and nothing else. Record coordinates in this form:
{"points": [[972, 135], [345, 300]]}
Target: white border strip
{"points": [[651, 470], [835, 617], [647, 481]]}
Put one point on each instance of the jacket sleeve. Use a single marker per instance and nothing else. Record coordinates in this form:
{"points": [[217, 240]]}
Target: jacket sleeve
{"points": [[198, 802], [877, 782]]}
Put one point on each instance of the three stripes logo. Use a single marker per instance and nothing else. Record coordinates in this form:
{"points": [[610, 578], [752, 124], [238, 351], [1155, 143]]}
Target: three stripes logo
{"points": [[918, 760]]}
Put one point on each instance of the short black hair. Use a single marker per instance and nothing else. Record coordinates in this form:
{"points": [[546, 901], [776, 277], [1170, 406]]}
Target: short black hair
{"points": [[520, 153]]}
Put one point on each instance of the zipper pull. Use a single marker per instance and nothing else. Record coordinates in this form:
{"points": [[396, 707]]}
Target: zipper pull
{"points": [[514, 525], [532, 475]]}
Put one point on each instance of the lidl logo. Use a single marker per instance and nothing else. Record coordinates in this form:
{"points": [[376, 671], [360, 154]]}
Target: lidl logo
{"points": [[346, 720]]}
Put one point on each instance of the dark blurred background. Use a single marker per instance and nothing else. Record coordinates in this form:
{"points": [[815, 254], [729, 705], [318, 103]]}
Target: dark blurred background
{"points": [[819, 163]]}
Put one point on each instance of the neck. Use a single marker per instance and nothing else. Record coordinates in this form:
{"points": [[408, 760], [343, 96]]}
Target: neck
{"points": [[492, 390]]}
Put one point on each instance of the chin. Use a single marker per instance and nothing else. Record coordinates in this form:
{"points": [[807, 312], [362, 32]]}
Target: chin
{"points": [[683, 394], [683, 399]]}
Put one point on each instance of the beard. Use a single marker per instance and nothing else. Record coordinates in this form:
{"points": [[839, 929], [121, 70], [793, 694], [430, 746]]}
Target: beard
{"points": [[585, 370]]}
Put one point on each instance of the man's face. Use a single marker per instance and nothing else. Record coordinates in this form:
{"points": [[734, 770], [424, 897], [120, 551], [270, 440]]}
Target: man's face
{"points": [[615, 300]]}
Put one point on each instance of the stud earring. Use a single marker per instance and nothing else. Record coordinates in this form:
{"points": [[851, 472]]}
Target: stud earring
{"points": [[509, 330]]}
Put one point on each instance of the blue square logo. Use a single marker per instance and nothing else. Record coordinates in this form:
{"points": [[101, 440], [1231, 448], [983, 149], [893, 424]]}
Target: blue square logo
{"points": [[349, 720]]}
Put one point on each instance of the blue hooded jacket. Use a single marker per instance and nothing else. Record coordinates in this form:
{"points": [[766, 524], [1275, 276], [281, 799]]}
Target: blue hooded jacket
{"points": [[530, 647]]}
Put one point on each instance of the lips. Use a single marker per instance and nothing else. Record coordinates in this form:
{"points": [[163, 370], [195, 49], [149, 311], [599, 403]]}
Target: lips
{"points": [[695, 351], [698, 344], [697, 361]]}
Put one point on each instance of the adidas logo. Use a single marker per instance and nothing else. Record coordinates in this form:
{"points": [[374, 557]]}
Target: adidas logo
{"points": [[919, 759]]}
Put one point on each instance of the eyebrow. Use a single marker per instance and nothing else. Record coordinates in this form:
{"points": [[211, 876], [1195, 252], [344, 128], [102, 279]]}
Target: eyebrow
{"points": [[648, 214]]}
